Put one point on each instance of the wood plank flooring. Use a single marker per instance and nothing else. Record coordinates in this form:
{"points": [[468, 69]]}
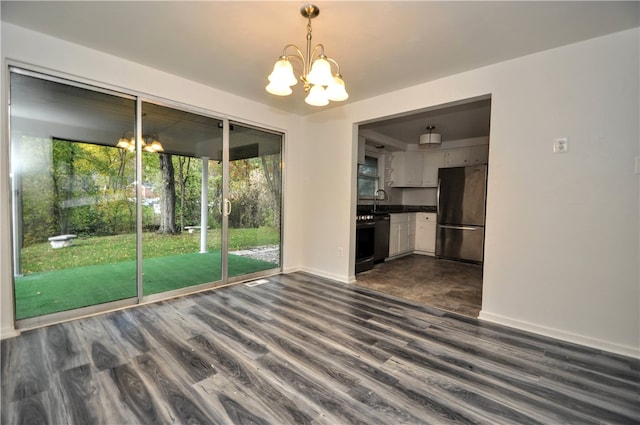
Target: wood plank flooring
{"points": [[304, 350]]}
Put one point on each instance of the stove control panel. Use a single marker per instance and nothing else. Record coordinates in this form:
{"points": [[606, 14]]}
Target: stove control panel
{"points": [[367, 217]]}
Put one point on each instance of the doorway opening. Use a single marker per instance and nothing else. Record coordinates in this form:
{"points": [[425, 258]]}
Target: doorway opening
{"points": [[436, 248]]}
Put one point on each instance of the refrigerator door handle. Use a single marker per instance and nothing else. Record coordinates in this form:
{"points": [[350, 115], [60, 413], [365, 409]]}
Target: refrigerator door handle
{"points": [[438, 201], [446, 226]]}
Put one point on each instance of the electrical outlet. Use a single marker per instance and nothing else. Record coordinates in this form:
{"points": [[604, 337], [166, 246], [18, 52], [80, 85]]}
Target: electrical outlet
{"points": [[340, 252], [561, 145]]}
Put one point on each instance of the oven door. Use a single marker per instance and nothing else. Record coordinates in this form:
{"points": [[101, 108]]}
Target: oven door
{"points": [[365, 245]]}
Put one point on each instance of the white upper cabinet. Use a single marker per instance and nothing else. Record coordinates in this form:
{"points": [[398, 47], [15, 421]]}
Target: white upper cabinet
{"points": [[462, 157], [420, 168], [456, 158], [479, 155], [406, 169], [432, 162]]}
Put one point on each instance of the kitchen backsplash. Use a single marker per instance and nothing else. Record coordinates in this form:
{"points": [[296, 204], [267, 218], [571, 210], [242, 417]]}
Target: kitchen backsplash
{"points": [[364, 209], [419, 196]]}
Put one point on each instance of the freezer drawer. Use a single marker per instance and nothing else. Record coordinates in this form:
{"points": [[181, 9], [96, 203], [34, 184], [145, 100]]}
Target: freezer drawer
{"points": [[460, 243]]}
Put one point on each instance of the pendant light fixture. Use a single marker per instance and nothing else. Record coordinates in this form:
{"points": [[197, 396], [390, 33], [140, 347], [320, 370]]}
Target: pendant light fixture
{"points": [[430, 137], [149, 143], [321, 84]]}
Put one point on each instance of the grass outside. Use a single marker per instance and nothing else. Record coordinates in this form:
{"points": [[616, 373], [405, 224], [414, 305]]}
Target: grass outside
{"points": [[60, 290], [95, 250], [96, 270]]}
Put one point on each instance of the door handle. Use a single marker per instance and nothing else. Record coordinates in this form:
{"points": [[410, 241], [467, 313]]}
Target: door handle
{"points": [[227, 207], [445, 226]]}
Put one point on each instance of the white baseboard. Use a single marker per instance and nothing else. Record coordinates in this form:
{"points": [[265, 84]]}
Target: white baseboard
{"points": [[8, 333], [336, 277], [290, 270], [611, 347]]}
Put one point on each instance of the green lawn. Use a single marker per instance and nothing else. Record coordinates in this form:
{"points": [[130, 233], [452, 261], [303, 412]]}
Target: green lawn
{"points": [[94, 250], [60, 290], [101, 269]]}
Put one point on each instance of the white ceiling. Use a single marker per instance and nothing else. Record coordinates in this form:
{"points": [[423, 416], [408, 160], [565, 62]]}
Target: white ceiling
{"points": [[381, 46], [463, 120]]}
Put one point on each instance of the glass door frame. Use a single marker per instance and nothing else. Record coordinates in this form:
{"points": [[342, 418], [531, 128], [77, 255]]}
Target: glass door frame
{"points": [[227, 126], [47, 319]]}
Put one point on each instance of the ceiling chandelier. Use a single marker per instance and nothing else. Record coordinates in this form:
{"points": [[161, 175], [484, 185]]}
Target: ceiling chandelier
{"points": [[149, 143], [321, 84]]}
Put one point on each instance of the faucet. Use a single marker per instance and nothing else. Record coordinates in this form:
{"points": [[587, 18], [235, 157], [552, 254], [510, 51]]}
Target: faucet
{"points": [[375, 198]]}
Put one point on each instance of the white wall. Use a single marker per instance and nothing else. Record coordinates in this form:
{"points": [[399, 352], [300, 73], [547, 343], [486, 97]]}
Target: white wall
{"points": [[34, 49], [562, 250], [562, 247]]}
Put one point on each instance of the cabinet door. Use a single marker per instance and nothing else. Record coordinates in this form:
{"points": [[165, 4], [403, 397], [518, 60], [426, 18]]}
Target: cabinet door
{"points": [[394, 238], [403, 237], [432, 162], [456, 158], [414, 167], [406, 169], [479, 155], [426, 232], [411, 237]]}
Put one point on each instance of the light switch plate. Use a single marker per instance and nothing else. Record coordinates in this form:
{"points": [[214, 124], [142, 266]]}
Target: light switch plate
{"points": [[561, 145]]}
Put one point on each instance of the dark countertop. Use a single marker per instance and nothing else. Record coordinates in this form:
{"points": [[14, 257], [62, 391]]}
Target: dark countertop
{"points": [[391, 209]]}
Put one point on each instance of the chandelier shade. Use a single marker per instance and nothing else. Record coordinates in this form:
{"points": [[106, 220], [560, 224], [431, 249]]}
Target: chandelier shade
{"points": [[317, 96], [279, 89], [282, 74], [320, 73], [335, 91], [320, 82]]}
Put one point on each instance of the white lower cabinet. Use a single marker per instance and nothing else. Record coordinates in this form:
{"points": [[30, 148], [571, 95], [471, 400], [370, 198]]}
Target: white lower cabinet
{"points": [[425, 240], [401, 233]]}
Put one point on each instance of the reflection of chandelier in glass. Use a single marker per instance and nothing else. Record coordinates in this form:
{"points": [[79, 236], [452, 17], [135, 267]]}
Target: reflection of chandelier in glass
{"points": [[149, 143]]}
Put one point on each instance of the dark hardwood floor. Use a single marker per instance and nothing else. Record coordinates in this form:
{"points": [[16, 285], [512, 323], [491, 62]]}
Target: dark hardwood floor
{"points": [[304, 350]]}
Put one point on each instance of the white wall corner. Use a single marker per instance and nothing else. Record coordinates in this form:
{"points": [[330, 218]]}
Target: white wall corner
{"points": [[6, 333]]}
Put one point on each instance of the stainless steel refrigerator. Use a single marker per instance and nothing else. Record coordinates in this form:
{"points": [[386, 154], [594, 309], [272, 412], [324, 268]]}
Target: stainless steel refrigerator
{"points": [[462, 193]]}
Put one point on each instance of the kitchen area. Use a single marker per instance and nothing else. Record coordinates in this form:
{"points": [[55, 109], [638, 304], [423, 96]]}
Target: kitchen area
{"points": [[421, 205]]}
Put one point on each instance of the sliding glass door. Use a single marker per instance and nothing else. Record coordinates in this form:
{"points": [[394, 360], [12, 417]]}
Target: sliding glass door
{"points": [[74, 214], [255, 195], [181, 216], [116, 199]]}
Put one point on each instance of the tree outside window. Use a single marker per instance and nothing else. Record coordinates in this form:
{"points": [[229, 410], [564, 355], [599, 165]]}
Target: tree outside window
{"points": [[368, 178]]}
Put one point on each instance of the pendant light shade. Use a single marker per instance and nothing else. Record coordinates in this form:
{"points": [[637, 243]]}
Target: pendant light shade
{"points": [[279, 90], [430, 137], [335, 91], [317, 96], [282, 74], [320, 73]]}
